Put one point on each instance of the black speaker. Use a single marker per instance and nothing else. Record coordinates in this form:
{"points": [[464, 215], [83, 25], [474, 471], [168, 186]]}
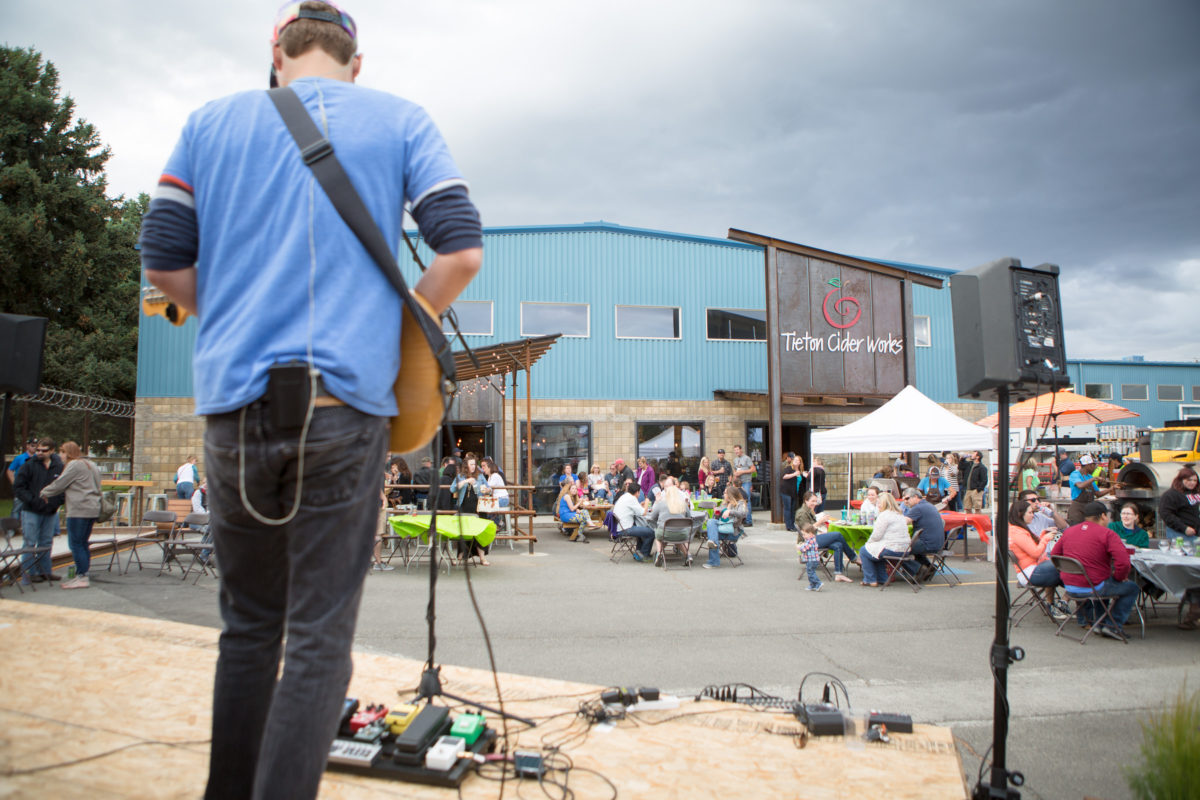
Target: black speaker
{"points": [[22, 340], [1008, 329]]}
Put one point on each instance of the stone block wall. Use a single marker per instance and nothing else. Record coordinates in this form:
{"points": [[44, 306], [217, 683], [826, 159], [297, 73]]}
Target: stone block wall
{"points": [[166, 432]]}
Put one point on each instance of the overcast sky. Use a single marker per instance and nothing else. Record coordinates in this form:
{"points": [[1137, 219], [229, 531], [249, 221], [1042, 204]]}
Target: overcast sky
{"points": [[936, 132]]}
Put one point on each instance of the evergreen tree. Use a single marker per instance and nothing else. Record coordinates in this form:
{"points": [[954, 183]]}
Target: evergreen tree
{"points": [[66, 248]]}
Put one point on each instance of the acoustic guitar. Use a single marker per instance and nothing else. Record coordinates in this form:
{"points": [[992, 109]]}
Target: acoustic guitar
{"points": [[420, 388]]}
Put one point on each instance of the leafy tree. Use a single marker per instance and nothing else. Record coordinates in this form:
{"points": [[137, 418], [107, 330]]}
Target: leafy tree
{"points": [[66, 248]]}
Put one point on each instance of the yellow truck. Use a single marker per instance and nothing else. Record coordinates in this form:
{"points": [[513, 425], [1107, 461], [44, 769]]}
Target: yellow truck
{"points": [[1178, 441]]}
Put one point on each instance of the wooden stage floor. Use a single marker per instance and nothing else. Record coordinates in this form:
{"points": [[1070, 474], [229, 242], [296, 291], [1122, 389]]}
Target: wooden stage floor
{"points": [[103, 705]]}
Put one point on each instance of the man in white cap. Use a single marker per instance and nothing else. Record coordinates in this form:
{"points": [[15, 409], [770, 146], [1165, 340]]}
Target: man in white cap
{"points": [[1083, 488]]}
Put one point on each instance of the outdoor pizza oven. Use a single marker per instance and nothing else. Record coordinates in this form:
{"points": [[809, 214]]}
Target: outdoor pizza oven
{"points": [[1145, 482]]}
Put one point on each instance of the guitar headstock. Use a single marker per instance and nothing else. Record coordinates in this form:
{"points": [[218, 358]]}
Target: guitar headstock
{"points": [[157, 304]]}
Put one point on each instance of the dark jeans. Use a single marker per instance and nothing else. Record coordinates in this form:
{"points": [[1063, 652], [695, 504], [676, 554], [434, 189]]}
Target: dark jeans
{"points": [[789, 512], [271, 737], [645, 537], [837, 543], [79, 530], [1126, 593]]}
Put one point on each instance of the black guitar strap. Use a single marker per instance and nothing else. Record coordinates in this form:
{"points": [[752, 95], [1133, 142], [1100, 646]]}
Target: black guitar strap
{"points": [[317, 152]]}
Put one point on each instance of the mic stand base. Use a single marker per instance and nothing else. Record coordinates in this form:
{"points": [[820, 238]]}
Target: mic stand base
{"points": [[431, 687]]}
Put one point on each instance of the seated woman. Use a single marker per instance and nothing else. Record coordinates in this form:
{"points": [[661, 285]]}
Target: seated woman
{"points": [[889, 537], [870, 504], [1126, 526], [1179, 506], [733, 512], [1034, 567], [631, 521], [671, 504], [597, 485], [568, 503], [826, 539], [495, 488]]}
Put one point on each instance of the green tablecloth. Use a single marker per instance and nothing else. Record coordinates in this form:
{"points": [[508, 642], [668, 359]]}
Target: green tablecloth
{"points": [[856, 535], [707, 510], [483, 531]]}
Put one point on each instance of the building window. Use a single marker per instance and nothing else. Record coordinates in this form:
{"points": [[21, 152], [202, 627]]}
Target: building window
{"points": [[657, 441], [1098, 391], [922, 332], [739, 324], [1196, 394], [569, 319], [1134, 391], [647, 322], [554, 444], [1170, 394], [474, 317]]}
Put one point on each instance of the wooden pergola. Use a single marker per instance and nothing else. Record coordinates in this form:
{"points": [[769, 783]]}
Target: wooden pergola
{"points": [[507, 358]]}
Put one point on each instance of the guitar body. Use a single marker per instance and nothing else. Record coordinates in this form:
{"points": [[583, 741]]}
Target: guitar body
{"points": [[418, 387]]}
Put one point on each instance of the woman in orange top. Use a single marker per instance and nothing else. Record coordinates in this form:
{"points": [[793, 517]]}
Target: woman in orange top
{"points": [[1033, 563]]}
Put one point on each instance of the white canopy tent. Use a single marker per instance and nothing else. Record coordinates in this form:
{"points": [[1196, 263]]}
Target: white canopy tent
{"points": [[909, 422]]}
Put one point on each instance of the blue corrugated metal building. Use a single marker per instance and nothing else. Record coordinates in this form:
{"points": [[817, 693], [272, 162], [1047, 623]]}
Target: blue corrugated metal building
{"points": [[661, 330]]}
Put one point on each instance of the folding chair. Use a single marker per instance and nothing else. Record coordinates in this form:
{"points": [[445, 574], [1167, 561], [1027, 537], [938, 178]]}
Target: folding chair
{"points": [[1091, 600], [164, 525], [107, 535], [1026, 601], [895, 566], [825, 558], [677, 536], [937, 560], [200, 546], [621, 544], [11, 557]]}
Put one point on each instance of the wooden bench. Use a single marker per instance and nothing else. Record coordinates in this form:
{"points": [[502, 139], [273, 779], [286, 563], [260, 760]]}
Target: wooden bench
{"points": [[519, 517]]}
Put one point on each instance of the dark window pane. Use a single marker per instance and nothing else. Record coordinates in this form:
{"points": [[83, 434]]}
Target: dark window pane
{"points": [[1170, 394], [1134, 391], [731, 323], [656, 441], [1098, 391], [554, 444]]}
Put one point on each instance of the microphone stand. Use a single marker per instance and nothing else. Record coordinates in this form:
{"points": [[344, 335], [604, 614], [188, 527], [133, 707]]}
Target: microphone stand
{"points": [[431, 679]]}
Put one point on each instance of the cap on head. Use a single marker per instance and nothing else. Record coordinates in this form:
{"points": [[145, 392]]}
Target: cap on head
{"points": [[1086, 459], [720, 452], [1095, 509], [292, 11]]}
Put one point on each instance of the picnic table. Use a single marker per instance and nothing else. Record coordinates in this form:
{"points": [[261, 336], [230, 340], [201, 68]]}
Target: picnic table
{"points": [[855, 535]]}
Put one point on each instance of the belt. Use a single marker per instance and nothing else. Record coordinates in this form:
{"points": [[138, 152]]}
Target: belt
{"points": [[324, 399]]}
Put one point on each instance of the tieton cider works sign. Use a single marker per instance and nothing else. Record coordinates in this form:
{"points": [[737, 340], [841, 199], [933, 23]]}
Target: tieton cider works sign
{"points": [[842, 328]]}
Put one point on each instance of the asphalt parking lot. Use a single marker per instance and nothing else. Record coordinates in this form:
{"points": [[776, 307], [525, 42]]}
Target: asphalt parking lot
{"points": [[566, 612]]}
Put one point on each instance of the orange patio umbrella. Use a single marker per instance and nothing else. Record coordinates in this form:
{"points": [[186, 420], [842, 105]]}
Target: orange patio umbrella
{"points": [[1058, 408]]}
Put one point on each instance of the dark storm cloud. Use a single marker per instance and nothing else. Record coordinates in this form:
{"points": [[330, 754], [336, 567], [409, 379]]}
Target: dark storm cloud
{"points": [[936, 132]]}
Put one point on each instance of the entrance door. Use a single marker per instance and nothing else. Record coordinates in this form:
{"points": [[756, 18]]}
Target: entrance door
{"points": [[796, 438], [477, 438]]}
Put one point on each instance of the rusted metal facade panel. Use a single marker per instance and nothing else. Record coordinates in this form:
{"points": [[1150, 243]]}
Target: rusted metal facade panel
{"points": [[841, 328]]}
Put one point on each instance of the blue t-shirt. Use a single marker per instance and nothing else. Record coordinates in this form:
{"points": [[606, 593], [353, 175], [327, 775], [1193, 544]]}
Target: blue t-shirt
{"points": [[943, 485], [14, 466], [927, 519], [1077, 477], [239, 166]]}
